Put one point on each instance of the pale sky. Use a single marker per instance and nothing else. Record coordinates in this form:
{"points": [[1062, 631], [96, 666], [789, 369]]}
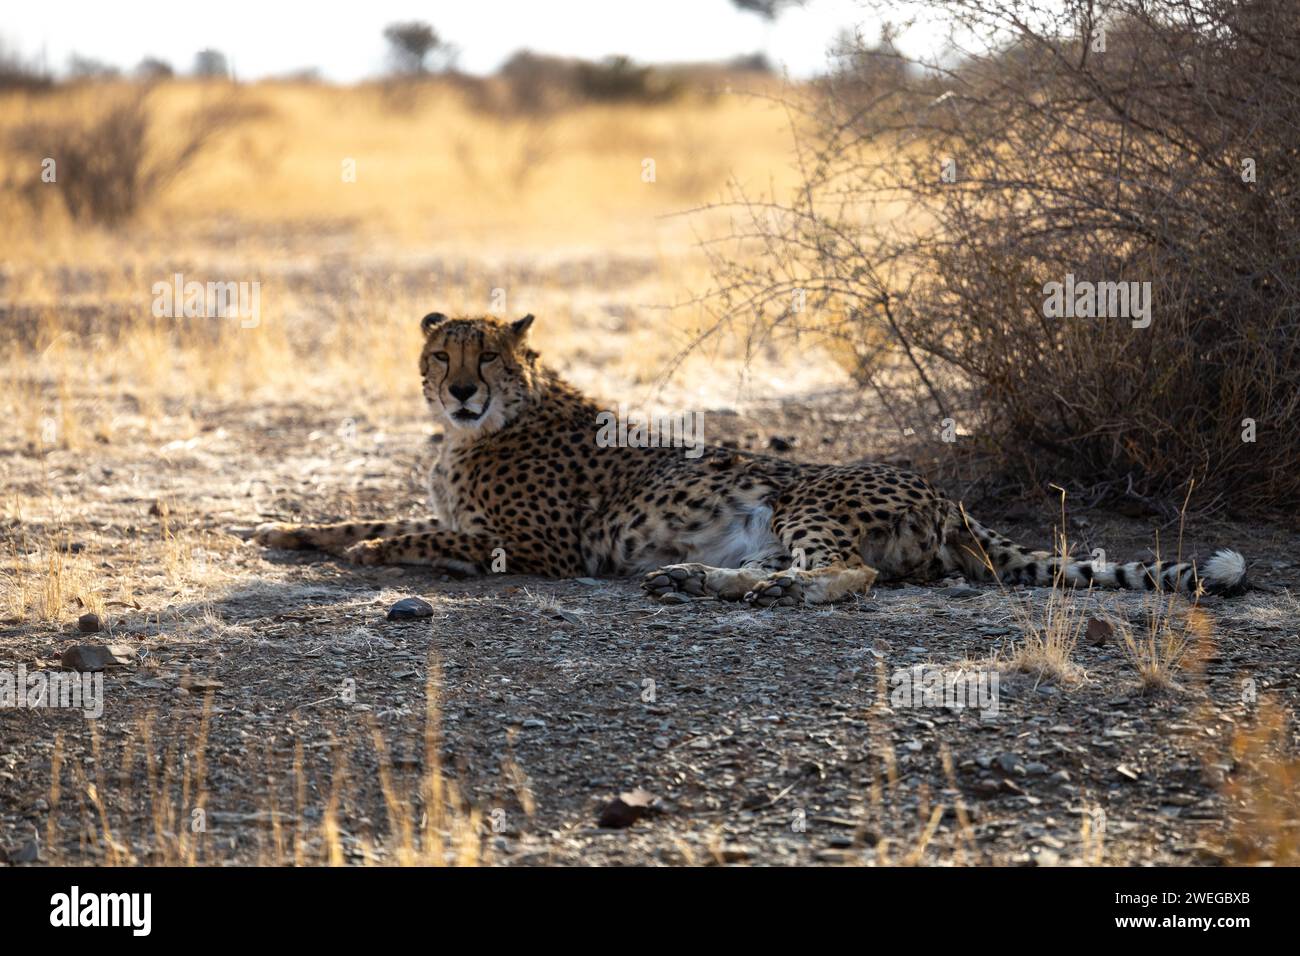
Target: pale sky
{"points": [[343, 38]]}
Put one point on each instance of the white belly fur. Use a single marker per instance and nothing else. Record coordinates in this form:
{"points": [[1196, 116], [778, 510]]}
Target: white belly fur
{"points": [[746, 537]]}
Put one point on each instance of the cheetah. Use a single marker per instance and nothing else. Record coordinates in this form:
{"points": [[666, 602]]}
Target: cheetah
{"points": [[522, 476]]}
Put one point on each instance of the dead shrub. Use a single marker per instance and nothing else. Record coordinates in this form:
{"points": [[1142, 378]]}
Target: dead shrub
{"points": [[109, 159], [1153, 143]]}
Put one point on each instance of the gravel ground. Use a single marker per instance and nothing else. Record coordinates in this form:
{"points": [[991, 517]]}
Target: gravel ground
{"points": [[760, 737]]}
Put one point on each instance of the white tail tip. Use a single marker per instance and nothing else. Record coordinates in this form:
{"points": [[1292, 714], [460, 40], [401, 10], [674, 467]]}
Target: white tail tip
{"points": [[1225, 571]]}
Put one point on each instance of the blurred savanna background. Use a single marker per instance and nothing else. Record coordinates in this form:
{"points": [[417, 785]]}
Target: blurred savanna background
{"points": [[827, 225]]}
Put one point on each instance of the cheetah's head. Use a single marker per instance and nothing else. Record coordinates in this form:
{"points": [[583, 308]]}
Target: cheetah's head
{"points": [[477, 372]]}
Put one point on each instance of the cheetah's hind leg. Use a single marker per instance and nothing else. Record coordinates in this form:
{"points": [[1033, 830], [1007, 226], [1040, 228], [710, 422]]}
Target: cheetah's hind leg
{"points": [[818, 586], [829, 568]]}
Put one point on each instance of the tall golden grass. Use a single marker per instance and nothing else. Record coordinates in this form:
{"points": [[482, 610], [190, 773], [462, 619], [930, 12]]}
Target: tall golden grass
{"points": [[437, 169], [449, 202]]}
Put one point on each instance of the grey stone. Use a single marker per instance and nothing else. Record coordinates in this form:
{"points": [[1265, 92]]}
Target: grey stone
{"points": [[410, 609], [96, 657]]}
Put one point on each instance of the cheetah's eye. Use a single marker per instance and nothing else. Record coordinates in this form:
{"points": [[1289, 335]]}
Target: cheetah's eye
{"points": [[488, 357], [440, 356]]}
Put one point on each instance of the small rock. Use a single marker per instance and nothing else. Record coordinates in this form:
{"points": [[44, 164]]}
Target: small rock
{"points": [[627, 808], [590, 582], [534, 724], [96, 657], [1099, 631], [1010, 763], [960, 592], [410, 609], [89, 624], [29, 852], [1035, 769], [777, 443]]}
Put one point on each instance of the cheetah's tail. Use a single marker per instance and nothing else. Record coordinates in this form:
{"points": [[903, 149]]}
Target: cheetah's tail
{"points": [[1223, 573]]}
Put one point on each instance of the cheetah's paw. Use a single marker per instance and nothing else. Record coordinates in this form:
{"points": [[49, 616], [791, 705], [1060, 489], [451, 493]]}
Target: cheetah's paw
{"points": [[275, 534], [781, 590], [685, 579], [367, 552]]}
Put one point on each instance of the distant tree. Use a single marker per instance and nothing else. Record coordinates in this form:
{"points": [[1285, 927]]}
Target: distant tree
{"points": [[767, 9], [411, 44], [211, 62], [750, 63], [152, 68], [17, 72], [87, 68]]}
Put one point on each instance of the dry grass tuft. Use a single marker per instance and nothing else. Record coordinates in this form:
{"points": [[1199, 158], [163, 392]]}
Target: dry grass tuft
{"points": [[1049, 636], [1168, 642], [427, 822]]}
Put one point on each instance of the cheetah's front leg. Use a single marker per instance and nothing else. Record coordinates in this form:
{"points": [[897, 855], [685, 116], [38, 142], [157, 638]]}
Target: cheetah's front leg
{"points": [[702, 580], [444, 550]]}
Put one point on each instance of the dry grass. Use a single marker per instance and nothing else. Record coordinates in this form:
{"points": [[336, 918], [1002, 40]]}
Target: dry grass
{"points": [[440, 165], [1173, 634], [449, 204], [1049, 636], [427, 823], [47, 580], [1169, 641], [1050, 632]]}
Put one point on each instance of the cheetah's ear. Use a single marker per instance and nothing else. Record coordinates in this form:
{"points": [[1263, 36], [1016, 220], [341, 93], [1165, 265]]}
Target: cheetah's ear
{"points": [[429, 321], [519, 328]]}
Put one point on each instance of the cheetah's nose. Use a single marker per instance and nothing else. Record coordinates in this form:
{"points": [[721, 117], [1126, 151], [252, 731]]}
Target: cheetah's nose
{"points": [[463, 392]]}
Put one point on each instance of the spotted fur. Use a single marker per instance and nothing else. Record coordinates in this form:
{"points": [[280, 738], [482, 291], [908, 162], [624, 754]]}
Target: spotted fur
{"points": [[522, 485]]}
